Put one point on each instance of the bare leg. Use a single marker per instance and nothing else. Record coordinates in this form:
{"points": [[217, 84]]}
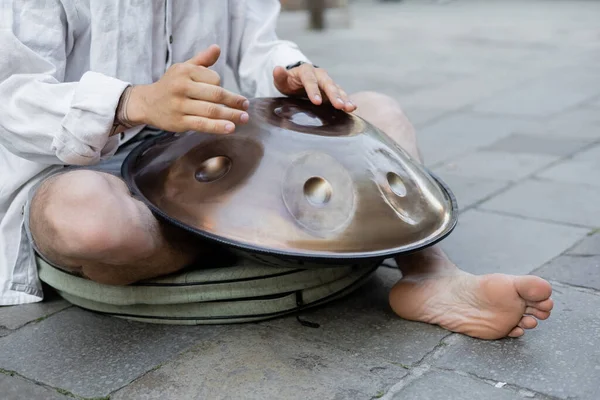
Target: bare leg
{"points": [[432, 288], [87, 222]]}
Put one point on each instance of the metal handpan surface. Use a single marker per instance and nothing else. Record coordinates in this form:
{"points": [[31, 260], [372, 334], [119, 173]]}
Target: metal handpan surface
{"points": [[298, 181]]}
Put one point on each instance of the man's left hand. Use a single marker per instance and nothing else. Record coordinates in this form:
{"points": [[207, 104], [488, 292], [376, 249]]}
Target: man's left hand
{"points": [[306, 80]]}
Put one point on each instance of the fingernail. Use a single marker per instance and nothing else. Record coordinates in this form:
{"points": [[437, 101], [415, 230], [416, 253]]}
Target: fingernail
{"points": [[317, 97], [229, 128], [340, 101], [244, 117], [350, 103], [246, 104]]}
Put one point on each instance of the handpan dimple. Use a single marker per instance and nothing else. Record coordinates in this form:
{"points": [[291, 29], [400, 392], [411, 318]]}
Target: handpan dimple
{"points": [[298, 117], [318, 192]]}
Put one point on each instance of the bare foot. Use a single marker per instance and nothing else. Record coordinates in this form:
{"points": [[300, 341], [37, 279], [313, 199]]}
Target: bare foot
{"points": [[487, 307]]}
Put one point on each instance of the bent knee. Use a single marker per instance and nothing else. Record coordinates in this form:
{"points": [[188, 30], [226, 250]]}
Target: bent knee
{"points": [[369, 97], [78, 213]]}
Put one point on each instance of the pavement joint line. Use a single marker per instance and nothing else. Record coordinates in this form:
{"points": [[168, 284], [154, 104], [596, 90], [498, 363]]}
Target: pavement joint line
{"points": [[423, 365], [513, 387], [62, 391], [534, 219], [577, 288], [42, 318]]}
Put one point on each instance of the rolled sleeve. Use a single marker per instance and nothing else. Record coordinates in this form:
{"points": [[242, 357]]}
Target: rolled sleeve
{"points": [[83, 137]]}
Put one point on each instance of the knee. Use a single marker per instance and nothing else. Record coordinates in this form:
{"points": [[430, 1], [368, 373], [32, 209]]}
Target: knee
{"points": [[77, 214], [377, 100]]}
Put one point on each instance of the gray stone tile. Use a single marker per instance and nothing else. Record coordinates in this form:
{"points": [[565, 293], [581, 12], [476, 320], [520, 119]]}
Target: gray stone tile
{"points": [[544, 97], [488, 243], [254, 362], [575, 270], [459, 93], [496, 165], [463, 133], [579, 123], [470, 190], [590, 246], [532, 144], [436, 385], [578, 172], [17, 388], [4, 332], [551, 201], [14, 317], [421, 116], [364, 323], [91, 355], [592, 154], [560, 358]]}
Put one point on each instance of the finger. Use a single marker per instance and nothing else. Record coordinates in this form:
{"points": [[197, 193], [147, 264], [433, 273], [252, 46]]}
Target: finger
{"points": [[280, 78], [207, 125], [349, 105], [205, 109], [331, 90], [216, 94], [311, 84], [205, 75], [207, 57]]}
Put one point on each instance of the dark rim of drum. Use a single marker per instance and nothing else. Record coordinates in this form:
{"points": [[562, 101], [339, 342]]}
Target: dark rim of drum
{"points": [[127, 172]]}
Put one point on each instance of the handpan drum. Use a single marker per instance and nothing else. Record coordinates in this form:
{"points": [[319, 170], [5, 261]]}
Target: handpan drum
{"points": [[298, 182]]}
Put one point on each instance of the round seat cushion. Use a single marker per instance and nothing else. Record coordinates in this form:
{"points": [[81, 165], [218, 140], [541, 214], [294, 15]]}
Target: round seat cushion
{"points": [[243, 291]]}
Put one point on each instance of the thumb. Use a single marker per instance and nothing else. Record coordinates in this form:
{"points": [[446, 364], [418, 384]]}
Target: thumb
{"points": [[207, 57]]}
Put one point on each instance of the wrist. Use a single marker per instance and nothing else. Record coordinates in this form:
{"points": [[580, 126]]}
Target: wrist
{"points": [[133, 108]]}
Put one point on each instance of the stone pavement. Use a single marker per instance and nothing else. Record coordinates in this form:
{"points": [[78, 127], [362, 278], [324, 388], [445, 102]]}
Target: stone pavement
{"points": [[506, 99]]}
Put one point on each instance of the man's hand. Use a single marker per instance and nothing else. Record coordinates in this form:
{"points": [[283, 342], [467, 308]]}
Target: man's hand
{"points": [[306, 80], [188, 97]]}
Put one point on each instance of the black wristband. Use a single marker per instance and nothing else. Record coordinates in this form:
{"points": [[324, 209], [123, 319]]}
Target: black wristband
{"points": [[299, 63]]}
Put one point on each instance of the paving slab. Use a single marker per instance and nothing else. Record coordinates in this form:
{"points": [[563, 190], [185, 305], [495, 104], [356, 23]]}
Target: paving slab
{"points": [[91, 355], [460, 93], [471, 190], [17, 388], [575, 270], [420, 117], [560, 358], [487, 243], [435, 385], [581, 123], [458, 134], [592, 154], [578, 172], [364, 323], [550, 201], [14, 317], [539, 99], [255, 362], [496, 165], [589, 246], [531, 144]]}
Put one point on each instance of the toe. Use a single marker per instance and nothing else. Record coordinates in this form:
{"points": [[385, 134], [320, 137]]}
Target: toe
{"points": [[545, 305], [533, 288], [516, 332], [539, 314], [528, 322]]}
